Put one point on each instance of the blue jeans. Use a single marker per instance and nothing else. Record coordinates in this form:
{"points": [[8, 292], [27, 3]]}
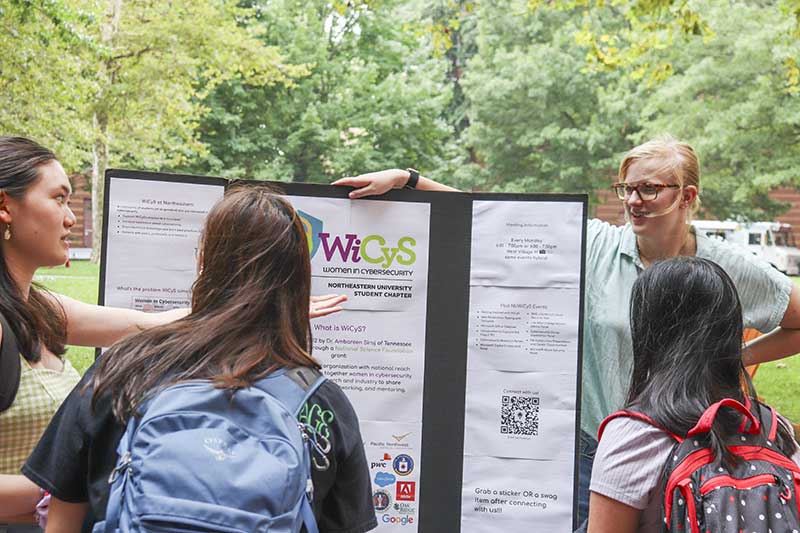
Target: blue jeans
{"points": [[588, 447]]}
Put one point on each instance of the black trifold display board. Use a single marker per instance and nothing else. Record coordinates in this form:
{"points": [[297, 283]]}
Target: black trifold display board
{"points": [[441, 501]]}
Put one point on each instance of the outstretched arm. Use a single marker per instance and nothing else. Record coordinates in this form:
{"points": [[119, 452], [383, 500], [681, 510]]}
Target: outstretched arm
{"points": [[782, 341], [97, 325], [375, 183]]}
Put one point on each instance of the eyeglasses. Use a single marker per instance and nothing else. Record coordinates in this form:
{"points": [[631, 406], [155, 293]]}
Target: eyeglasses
{"points": [[646, 191]]}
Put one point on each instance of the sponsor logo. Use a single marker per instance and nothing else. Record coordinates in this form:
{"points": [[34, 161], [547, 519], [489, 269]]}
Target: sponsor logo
{"points": [[397, 520], [403, 464], [381, 499], [406, 491], [378, 464], [384, 479], [399, 438], [404, 508], [313, 227]]}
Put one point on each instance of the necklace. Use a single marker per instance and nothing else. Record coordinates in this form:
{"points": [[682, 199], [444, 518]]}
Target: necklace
{"points": [[685, 249]]}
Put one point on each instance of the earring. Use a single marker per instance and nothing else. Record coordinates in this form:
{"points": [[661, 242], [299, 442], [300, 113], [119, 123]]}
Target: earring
{"points": [[7, 233]]}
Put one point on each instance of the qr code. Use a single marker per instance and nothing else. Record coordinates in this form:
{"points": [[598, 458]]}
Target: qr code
{"points": [[519, 415]]}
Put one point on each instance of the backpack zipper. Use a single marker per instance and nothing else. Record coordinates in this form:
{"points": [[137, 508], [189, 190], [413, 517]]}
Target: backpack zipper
{"points": [[751, 452], [680, 475], [739, 484]]}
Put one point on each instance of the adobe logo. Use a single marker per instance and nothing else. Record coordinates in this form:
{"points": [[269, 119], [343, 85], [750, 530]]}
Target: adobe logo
{"points": [[406, 491]]}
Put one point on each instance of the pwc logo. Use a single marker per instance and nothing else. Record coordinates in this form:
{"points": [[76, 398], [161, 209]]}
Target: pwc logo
{"points": [[374, 249]]}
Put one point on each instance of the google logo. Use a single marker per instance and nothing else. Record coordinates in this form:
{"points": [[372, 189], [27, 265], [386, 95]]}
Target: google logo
{"points": [[400, 520]]}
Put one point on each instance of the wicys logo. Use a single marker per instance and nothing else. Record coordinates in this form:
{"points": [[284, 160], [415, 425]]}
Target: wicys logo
{"points": [[313, 227], [351, 248]]}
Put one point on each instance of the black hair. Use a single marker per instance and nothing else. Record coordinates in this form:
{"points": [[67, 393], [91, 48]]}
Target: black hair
{"points": [[39, 320], [686, 327]]}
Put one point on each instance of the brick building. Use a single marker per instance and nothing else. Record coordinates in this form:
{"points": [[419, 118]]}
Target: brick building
{"points": [[80, 240]]}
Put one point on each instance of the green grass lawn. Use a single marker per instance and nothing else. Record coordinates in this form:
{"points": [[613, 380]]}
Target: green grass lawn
{"points": [[777, 383]]}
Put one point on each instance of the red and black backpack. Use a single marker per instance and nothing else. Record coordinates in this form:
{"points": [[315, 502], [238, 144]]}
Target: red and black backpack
{"points": [[759, 494]]}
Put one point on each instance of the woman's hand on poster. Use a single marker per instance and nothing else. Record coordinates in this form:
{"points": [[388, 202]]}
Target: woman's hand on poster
{"points": [[325, 305], [374, 183]]}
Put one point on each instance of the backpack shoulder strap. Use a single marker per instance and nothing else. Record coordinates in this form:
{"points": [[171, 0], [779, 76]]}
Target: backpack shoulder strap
{"points": [[292, 386], [309, 379], [10, 369], [769, 420], [637, 415]]}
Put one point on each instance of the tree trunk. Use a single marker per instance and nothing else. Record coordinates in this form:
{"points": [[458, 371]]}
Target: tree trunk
{"points": [[100, 118], [99, 165]]}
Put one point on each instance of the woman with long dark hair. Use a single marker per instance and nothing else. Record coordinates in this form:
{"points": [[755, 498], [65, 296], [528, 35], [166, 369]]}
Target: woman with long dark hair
{"points": [[686, 327], [249, 317], [35, 324]]}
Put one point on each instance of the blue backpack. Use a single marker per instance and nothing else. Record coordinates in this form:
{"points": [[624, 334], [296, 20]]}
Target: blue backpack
{"points": [[216, 460]]}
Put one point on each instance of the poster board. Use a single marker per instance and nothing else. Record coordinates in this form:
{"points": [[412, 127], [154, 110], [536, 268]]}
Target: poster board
{"points": [[460, 345]]}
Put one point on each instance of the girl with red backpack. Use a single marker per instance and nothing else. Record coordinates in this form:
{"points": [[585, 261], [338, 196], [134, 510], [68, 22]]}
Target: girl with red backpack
{"points": [[692, 451]]}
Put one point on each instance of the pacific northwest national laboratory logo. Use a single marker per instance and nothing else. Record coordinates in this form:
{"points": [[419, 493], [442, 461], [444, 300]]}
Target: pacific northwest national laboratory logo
{"points": [[352, 248]]}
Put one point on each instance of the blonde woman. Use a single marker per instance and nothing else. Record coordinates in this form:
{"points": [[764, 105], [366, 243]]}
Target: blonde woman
{"points": [[659, 184]]}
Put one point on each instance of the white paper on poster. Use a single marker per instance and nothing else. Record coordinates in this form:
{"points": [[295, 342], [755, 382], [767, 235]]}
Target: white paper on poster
{"points": [[526, 244], [379, 366], [523, 329], [376, 253], [520, 407], [516, 495], [153, 232], [393, 451], [520, 415]]}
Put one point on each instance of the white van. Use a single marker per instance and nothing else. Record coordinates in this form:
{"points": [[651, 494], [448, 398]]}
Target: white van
{"points": [[772, 241]]}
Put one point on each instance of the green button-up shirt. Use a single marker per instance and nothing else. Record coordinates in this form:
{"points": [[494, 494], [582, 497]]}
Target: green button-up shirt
{"points": [[612, 265]]}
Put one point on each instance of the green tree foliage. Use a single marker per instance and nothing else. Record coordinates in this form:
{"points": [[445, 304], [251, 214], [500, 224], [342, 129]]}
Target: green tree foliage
{"points": [[511, 95], [123, 81], [646, 25], [373, 98], [730, 99], [540, 119], [160, 60], [45, 55]]}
